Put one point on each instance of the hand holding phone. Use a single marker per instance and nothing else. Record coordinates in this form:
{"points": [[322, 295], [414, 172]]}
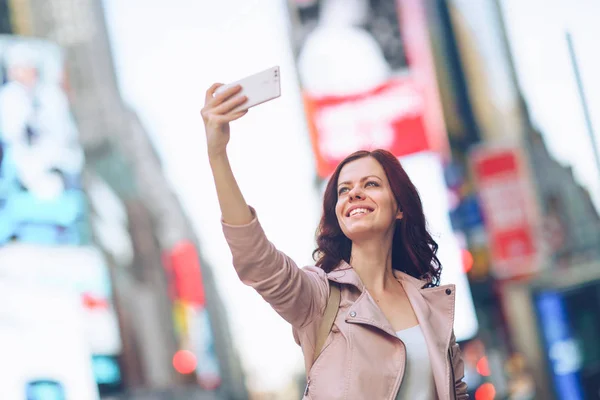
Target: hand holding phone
{"points": [[226, 103], [258, 88]]}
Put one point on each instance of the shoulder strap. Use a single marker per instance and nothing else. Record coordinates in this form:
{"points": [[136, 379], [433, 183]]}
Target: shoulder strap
{"points": [[333, 304]]}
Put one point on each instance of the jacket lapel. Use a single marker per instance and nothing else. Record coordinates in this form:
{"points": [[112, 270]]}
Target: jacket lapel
{"points": [[434, 309], [364, 310]]}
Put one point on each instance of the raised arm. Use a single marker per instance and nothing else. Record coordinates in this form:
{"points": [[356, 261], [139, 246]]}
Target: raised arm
{"points": [[217, 115], [297, 295]]}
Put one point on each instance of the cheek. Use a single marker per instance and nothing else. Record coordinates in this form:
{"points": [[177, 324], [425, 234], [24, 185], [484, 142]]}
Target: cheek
{"points": [[338, 210], [389, 205]]}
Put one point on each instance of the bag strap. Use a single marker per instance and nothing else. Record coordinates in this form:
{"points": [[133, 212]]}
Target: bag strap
{"points": [[331, 310]]}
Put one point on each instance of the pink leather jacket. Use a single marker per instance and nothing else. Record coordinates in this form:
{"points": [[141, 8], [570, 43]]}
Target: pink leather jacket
{"points": [[362, 357]]}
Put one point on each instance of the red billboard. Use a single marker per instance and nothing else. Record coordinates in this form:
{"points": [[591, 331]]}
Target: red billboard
{"points": [[508, 203], [389, 116], [192, 322], [183, 268], [367, 78]]}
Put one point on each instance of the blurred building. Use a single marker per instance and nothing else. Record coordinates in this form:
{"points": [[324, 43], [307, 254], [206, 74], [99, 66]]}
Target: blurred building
{"points": [[571, 222], [554, 221], [135, 217]]}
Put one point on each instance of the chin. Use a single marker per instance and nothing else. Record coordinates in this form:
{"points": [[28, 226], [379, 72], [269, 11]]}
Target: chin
{"points": [[367, 230], [360, 232]]}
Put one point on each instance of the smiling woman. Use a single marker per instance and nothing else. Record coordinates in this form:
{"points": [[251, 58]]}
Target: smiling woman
{"points": [[391, 334]]}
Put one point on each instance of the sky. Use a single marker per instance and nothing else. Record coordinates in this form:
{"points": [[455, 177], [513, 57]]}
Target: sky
{"points": [[168, 53]]}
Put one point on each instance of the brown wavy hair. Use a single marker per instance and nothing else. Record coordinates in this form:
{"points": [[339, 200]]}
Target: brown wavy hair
{"points": [[413, 248]]}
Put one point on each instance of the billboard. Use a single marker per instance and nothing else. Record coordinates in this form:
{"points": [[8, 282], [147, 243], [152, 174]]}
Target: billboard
{"points": [[82, 272], [40, 157], [567, 303], [192, 323], [42, 342], [508, 203], [561, 346], [367, 78]]}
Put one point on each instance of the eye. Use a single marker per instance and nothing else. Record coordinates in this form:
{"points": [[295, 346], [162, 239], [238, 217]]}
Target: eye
{"points": [[342, 190], [371, 184]]}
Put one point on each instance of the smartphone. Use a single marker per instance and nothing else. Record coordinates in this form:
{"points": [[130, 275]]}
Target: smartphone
{"points": [[258, 88]]}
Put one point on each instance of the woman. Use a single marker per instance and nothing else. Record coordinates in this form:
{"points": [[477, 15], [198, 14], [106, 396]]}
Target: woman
{"points": [[392, 337]]}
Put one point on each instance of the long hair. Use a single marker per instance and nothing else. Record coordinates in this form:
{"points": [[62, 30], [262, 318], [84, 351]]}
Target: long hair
{"points": [[413, 248]]}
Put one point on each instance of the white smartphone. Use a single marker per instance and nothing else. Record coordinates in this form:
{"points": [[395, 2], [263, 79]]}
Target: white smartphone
{"points": [[258, 88]]}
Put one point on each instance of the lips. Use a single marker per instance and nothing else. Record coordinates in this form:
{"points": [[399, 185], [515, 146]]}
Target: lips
{"points": [[358, 210]]}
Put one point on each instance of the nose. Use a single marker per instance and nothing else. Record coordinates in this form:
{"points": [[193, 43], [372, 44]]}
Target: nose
{"points": [[356, 194]]}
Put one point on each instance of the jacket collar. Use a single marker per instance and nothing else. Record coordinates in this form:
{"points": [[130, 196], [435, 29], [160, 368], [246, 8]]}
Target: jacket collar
{"points": [[344, 273], [422, 299]]}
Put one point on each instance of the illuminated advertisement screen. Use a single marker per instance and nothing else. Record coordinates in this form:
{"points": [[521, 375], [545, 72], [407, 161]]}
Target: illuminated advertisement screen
{"points": [[197, 352], [82, 272], [40, 157], [367, 78], [569, 321], [45, 355]]}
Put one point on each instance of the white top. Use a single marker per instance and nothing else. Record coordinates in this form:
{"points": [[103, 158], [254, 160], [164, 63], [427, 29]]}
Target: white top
{"points": [[417, 383]]}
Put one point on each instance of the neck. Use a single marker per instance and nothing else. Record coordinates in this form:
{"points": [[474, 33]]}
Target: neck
{"points": [[372, 261]]}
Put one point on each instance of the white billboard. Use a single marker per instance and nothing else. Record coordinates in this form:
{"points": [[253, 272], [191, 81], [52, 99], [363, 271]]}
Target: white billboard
{"points": [[44, 350], [80, 271]]}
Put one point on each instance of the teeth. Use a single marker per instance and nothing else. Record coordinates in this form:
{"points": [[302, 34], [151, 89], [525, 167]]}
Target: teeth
{"points": [[358, 211]]}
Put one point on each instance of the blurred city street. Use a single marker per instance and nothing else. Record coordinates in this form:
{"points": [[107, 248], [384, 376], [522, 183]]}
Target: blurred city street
{"points": [[116, 282]]}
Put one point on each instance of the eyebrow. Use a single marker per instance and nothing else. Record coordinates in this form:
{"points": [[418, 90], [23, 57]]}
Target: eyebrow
{"points": [[361, 180]]}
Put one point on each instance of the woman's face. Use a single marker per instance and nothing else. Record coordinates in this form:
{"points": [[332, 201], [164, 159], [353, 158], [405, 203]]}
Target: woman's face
{"points": [[366, 205]]}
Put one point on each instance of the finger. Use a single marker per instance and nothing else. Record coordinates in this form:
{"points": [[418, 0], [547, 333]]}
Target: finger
{"points": [[223, 119], [225, 95], [230, 104], [211, 91]]}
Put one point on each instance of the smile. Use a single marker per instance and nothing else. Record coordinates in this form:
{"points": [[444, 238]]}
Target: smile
{"points": [[358, 211]]}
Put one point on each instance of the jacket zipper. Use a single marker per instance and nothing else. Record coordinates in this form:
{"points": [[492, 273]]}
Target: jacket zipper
{"points": [[453, 382]]}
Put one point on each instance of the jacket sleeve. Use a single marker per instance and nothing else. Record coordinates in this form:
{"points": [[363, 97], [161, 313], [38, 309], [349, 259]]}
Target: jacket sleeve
{"points": [[458, 367], [298, 295]]}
